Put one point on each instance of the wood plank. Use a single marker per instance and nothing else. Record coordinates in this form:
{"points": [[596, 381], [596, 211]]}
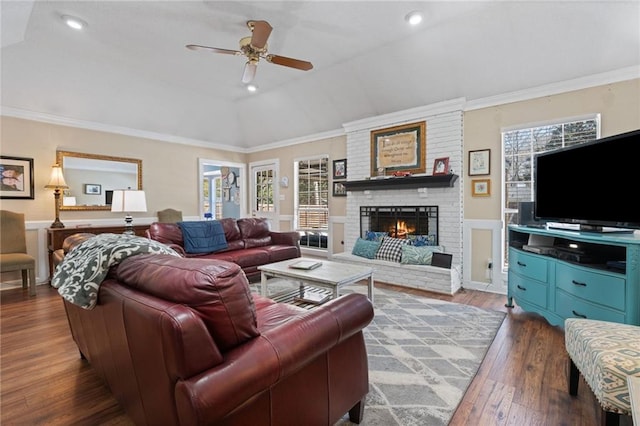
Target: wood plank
{"points": [[43, 381]]}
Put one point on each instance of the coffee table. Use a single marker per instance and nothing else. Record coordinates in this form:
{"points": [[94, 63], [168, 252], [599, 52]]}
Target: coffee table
{"points": [[331, 275]]}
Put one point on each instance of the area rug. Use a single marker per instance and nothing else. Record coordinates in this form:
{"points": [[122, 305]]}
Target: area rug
{"points": [[423, 354]]}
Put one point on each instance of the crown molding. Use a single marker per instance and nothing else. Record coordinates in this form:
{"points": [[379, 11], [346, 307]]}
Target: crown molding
{"points": [[623, 74], [108, 128]]}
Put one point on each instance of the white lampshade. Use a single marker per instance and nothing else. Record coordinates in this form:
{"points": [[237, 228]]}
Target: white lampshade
{"points": [[128, 200], [56, 181]]}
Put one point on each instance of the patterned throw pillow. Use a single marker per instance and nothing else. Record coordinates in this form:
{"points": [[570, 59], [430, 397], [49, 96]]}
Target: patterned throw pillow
{"points": [[375, 236], [412, 255], [422, 240], [365, 248], [391, 249]]}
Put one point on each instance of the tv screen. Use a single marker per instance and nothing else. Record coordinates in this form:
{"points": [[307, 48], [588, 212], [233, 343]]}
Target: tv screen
{"points": [[108, 197], [593, 184]]}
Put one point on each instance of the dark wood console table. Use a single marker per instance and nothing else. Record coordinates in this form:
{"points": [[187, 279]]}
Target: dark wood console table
{"points": [[56, 236]]}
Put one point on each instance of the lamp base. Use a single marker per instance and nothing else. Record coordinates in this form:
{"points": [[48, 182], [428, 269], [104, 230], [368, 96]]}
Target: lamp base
{"points": [[57, 224], [128, 227]]}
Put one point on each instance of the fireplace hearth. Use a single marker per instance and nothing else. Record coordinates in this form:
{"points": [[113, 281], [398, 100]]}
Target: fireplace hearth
{"points": [[400, 221]]}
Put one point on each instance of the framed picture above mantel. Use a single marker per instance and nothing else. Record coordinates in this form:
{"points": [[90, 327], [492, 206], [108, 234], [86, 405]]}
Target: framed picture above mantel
{"points": [[399, 148]]}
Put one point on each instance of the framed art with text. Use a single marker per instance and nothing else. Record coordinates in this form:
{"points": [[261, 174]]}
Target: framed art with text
{"points": [[480, 162], [17, 178], [399, 148]]}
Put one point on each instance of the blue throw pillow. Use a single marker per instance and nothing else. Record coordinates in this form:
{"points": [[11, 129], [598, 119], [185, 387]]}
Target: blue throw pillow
{"points": [[375, 236], [365, 248], [206, 236], [422, 240]]}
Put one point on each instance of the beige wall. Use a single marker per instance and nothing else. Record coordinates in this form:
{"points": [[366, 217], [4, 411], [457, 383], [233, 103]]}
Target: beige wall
{"points": [[169, 170], [618, 104]]}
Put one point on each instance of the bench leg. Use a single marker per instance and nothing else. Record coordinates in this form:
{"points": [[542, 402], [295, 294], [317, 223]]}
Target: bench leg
{"points": [[357, 412], [574, 376]]}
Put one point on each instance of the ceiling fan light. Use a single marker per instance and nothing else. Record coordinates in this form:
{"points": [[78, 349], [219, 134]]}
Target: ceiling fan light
{"points": [[73, 22], [414, 18], [249, 72]]}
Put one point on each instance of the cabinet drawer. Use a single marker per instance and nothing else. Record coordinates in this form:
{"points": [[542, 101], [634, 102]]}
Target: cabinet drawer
{"points": [[568, 306], [528, 265], [593, 286], [528, 290]]}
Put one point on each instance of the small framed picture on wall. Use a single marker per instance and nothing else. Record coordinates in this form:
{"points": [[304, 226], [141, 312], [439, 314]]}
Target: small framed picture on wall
{"points": [[340, 169], [480, 162], [441, 166], [481, 187], [339, 190], [92, 189]]}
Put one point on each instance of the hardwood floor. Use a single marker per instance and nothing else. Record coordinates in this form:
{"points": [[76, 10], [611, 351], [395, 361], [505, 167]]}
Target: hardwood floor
{"points": [[43, 381]]}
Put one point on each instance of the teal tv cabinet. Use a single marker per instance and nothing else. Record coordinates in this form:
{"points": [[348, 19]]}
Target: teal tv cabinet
{"points": [[563, 274]]}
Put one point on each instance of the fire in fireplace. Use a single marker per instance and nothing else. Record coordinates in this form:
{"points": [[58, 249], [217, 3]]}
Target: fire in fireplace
{"points": [[400, 221]]}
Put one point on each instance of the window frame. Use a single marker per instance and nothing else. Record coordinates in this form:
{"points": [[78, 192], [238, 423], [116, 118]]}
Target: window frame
{"points": [[508, 214]]}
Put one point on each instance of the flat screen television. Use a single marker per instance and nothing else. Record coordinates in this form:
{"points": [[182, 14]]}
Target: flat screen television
{"points": [[595, 184], [108, 194]]}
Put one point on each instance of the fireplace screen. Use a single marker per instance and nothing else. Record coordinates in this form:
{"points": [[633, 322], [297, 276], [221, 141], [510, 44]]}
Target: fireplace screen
{"points": [[400, 222]]}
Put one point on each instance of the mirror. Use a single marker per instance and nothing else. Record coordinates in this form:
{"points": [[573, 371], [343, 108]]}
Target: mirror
{"points": [[92, 179]]}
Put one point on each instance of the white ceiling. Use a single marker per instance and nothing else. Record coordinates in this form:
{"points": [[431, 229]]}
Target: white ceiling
{"points": [[129, 69]]}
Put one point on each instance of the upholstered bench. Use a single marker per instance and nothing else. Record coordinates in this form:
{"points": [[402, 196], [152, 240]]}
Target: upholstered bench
{"points": [[605, 353]]}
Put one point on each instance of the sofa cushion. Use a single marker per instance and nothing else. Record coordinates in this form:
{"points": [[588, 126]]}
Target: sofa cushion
{"points": [[391, 249], [166, 233], [247, 257], [365, 248], [255, 231], [204, 236], [217, 291]]}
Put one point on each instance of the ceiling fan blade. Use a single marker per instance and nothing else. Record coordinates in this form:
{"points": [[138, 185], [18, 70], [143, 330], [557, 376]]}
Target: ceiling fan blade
{"points": [[213, 49], [289, 62], [261, 32], [249, 72]]}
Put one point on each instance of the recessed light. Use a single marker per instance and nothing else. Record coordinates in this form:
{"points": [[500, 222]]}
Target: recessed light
{"points": [[73, 22], [252, 87], [414, 18]]}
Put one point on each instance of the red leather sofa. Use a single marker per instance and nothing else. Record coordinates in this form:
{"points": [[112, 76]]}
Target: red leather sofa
{"points": [[183, 341], [249, 240]]}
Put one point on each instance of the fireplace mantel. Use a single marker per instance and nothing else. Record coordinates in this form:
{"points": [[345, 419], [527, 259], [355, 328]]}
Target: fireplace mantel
{"points": [[409, 182]]}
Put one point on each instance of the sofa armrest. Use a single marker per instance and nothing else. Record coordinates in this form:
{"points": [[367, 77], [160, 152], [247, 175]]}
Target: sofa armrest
{"points": [[261, 363], [291, 238]]}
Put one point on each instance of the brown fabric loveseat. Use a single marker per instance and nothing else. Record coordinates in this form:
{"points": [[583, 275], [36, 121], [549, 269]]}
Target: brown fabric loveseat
{"points": [[249, 240], [183, 341]]}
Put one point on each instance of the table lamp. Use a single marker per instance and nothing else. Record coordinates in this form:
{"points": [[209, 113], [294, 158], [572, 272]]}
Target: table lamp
{"points": [[127, 201], [56, 182]]}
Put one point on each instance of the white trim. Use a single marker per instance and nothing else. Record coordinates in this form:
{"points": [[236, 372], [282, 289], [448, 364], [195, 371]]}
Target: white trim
{"points": [[592, 116], [109, 128], [580, 83], [623, 74], [498, 284], [221, 163], [273, 164]]}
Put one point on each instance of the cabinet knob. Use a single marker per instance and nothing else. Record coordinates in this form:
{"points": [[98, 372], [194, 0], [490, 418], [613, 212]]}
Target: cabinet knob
{"points": [[578, 315], [521, 288], [579, 283]]}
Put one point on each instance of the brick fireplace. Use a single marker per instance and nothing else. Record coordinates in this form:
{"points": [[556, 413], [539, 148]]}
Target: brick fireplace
{"points": [[444, 139], [400, 221]]}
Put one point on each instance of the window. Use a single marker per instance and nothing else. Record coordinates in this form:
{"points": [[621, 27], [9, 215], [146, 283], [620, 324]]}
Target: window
{"points": [[264, 201], [519, 146], [312, 201]]}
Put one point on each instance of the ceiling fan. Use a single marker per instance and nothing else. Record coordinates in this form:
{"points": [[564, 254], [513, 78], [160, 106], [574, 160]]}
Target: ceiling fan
{"points": [[254, 47]]}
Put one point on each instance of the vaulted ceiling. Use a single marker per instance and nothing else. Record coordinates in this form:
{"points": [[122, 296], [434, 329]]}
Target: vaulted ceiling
{"points": [[130, 70]]}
